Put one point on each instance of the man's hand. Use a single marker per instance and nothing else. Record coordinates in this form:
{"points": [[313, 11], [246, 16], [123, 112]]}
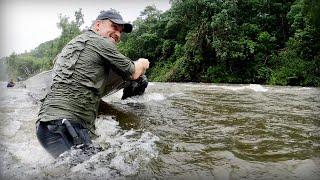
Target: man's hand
{"points": [[140, 67]]}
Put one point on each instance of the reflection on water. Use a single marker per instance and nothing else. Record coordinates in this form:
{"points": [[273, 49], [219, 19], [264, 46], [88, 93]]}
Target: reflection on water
{"points": [[177, 131]]}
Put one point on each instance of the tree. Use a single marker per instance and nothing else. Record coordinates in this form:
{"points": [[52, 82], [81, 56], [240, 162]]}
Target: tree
{"points": [[41, 58]]}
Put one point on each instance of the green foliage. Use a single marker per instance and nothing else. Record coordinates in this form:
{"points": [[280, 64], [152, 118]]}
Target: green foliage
{"points": [[41, 58], [3, 70], [243, 41], [312, 11], [229, 41], [23, 65], [294, 71], [299, 62]]}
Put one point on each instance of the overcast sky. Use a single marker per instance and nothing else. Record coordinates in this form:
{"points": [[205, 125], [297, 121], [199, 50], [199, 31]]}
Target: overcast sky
{"points": [[27, 23]]}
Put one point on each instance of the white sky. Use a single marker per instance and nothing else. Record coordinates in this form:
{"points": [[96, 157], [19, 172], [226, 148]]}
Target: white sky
{"points": [[27, 23]]}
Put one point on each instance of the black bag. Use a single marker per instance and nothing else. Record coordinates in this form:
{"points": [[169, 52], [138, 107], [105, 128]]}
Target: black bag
{"points": [[135, 87]]}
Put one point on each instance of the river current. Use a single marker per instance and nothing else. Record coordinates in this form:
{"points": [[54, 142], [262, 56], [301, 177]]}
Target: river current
{"points": [[175, 131]]}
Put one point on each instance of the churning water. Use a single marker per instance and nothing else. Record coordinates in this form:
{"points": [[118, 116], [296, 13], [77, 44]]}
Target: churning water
{"points": [[176, 131]]}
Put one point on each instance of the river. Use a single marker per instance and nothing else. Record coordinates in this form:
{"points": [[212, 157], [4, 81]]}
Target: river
{"points": [[175, 131]]}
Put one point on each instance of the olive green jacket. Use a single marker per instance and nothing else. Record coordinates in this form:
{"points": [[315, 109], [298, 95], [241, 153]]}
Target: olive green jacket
{"points": [[88, 68]]}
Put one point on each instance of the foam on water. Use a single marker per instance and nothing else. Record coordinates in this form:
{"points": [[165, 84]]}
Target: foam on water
{"points": [[25, 152], [145, 98], [18, 142], [9, 128], [131, 148], [120, 153], [305, 88], [254, 87], [3, 84]]}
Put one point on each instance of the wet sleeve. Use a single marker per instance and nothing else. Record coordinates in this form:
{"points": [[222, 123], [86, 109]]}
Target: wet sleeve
{"points": [[120, 63]]}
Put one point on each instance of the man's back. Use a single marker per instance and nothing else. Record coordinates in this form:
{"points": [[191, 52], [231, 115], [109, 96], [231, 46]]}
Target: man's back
{"points": [[81, 76]]}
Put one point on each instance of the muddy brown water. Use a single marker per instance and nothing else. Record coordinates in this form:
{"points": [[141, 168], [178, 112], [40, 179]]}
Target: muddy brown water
{"points": [[176, 131]]}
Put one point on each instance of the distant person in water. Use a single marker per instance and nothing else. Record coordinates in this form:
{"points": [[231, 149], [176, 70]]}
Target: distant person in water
{"points": [[10, 83], [88, 68], [20, 79]]}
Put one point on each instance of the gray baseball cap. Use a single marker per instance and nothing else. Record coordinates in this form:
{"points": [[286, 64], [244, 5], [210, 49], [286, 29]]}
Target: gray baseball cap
{"points": [[115, 17]]}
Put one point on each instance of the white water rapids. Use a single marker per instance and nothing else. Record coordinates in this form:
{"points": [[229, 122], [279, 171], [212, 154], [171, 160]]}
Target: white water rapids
{"points": [[174, 131]]}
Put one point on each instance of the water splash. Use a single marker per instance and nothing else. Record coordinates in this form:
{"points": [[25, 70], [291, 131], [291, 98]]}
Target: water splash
{"points": [[254, 87], [120, 153], [144, 98]]}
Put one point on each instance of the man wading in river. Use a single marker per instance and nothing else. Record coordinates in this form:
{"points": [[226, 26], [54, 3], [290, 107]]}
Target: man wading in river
{"points": [[87, 68]]}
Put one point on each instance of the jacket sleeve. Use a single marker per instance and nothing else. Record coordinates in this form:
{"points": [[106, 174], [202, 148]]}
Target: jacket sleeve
{"points": [[121, 64]]}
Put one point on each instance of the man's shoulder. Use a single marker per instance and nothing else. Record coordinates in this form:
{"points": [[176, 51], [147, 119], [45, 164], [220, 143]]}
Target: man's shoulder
{"points": [[98, 40], [88, 35]]}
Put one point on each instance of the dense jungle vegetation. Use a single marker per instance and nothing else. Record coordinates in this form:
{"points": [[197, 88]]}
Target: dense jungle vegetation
{"points": [[222, 41]]}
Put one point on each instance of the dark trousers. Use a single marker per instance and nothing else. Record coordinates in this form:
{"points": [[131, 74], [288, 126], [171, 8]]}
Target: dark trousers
{"points": [[57, 137]]}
